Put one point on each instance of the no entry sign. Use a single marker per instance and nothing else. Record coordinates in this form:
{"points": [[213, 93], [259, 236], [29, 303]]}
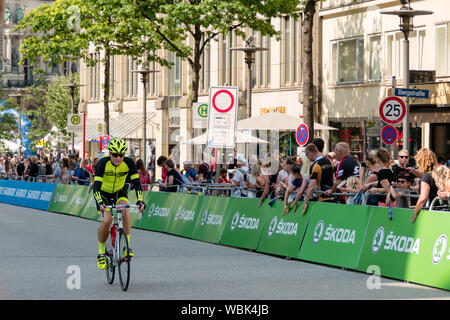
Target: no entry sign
{"points": [[389, 134], [302, 135], [392, 110], [222, 116]]}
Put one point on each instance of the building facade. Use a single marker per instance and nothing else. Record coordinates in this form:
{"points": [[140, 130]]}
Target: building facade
{"points": [[357, 51], [362, 50]]}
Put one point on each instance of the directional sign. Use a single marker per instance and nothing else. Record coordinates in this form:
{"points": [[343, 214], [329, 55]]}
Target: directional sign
{"points": [[412, 93], [389, 134], [392, 110], [302, 135]]}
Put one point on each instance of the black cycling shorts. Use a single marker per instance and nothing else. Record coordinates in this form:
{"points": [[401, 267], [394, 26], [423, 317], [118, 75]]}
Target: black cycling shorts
{"points": [[110, 199]]}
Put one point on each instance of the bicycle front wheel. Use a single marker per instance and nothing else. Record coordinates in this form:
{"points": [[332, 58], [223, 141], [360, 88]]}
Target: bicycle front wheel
{"points": [[110, 267], [124, 260]]}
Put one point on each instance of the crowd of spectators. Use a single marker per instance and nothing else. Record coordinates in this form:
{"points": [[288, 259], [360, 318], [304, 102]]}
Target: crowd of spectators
{"points": [[377, 180]]}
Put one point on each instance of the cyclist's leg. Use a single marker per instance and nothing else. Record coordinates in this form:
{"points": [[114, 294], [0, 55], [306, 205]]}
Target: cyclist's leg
{"points": [[123, 199], [105, 224]]}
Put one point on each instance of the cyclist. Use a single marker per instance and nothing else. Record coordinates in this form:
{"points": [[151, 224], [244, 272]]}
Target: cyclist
{"points": [[109, 188]]}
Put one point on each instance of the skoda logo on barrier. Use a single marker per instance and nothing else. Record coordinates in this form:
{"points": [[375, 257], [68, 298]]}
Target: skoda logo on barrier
{"points": [[235, 221], [439, 248], [151, 209], [204, 217], [377, 240], [272, 226], [318, 231]]}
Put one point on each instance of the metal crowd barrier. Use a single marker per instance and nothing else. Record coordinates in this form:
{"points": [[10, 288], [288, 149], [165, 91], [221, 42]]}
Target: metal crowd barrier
{"points": [[441, 205]]}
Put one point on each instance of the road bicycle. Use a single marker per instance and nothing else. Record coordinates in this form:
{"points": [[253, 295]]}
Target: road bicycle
{"points": [[117, 250]]}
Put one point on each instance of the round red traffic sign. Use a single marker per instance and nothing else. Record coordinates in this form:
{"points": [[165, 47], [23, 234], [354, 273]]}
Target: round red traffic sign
{"points": [[392, 110], [222, 106], [302, 135], [389, 134]]}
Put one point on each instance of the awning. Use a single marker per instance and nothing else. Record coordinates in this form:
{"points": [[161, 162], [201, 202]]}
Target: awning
{"points": [[122, 126]]}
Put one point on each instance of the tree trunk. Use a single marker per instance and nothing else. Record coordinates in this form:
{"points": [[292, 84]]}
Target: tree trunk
{"points": [[106, 91], [196, 66], [307, 66]]}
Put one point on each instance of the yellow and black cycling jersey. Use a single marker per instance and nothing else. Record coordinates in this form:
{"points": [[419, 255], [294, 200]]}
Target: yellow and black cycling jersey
{"points": [[111, 179]]}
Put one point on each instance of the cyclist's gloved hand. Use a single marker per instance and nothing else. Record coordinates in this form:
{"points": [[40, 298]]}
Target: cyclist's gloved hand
{"points": [[141, 205]]}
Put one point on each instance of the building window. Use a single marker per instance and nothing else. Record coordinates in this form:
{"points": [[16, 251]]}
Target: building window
{"points": [[152, 79], [112, 76], [375, 58], [395, 55], [443, 50], [94, 77], [348, 60], [291, 51], [261, 70], [132, 78], [205, 70], [227, 73], [174, 74]]}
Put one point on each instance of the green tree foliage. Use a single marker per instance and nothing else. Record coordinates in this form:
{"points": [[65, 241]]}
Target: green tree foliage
{"points": [[74, 28]]}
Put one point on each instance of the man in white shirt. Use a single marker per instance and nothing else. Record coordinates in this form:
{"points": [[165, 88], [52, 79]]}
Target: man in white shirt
{"points": [[240, 176]]}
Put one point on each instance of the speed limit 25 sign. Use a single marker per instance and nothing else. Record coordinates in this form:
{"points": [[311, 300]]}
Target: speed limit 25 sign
{"points": [[392, 110]]}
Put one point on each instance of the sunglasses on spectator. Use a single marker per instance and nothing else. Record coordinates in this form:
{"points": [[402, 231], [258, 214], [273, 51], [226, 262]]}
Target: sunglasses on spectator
{"points": [[116, 155], [404, 157], [401, 181]]}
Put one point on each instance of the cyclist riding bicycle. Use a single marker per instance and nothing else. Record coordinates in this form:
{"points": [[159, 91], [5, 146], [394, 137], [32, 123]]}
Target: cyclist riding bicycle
{"points": [[111, 172]]}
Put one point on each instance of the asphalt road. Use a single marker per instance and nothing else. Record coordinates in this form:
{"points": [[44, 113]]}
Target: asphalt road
{"points": [[52, 256]]}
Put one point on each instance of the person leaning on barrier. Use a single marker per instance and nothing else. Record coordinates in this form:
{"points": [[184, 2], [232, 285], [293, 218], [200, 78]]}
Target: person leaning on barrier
{"points": [[269, 177], [320, 176], [385, 176], [190, 172], [78, 174], [426, 161], [173, 177], [397, 193], [161, 161], [346, 167], [441, 175], [144, 174], [240, 176], [299, 183]]}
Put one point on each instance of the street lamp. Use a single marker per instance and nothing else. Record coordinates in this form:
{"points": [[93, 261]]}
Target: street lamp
{"points": [[144, 71], [249, 50], [73, 86], [406, 15]]}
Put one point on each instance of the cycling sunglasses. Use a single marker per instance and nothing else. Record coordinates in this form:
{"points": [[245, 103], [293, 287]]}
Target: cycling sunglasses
{"points": [[115, 155]]}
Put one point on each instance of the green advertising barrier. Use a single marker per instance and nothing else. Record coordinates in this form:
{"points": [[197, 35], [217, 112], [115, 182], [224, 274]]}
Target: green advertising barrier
{"points": [[159, 209], [69, 199], [245, 223], [418, 252], [282, 235], [211, 221], [185, 214], [335, 234]]}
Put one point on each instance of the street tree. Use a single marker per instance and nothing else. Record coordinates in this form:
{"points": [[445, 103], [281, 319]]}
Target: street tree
{"points": [[200, 21], [74, 28]]}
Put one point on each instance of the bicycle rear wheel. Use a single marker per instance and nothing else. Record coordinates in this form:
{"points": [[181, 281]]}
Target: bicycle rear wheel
{"points": [[110, 267], [124, 260]]}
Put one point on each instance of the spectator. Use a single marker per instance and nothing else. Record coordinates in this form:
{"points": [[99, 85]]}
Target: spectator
{"points": [[21, 168], [320, 144], [403, 165], [284, 177], [240, 176], [48, 167], [173, 177], [353, 185], [87, 165], [346, 167], [65, 171], [298, 184], [144, 174], [2, 166], [255, 181], [204, 173], [34, 167], [440, 160], [190, 172], [223, 176], [398, 193], [320, 176], [371, 175], [332, 157], [57, 172], [441, 175], [385, 176], [161, 161], [77, 175], [426, 161]]}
